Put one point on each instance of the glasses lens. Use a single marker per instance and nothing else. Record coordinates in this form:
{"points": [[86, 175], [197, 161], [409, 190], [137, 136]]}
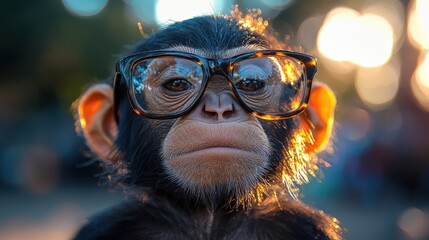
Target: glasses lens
{"points": [[270, 84], [166, 85]]}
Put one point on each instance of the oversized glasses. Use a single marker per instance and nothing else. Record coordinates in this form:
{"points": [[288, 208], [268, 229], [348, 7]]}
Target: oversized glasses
{"points": [[270, 84]]}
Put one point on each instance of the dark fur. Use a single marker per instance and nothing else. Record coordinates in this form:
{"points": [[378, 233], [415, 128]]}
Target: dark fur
{"points": [[157, 217], [166, 211]]}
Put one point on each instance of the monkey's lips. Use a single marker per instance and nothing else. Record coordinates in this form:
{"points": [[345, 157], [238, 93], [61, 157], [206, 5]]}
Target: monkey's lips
{"points": [[196, 137], [218, 148]]}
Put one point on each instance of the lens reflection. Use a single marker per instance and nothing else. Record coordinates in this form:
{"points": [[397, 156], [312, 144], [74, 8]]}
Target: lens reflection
{"points": [[271, 85], [166, 85], [171, 84]]}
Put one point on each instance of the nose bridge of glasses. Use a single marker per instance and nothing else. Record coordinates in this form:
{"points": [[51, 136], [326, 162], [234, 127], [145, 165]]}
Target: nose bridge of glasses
{"points": [[217, 66], [218, 70]]}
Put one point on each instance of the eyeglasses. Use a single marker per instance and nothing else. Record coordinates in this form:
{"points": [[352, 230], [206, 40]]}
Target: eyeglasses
{"points": [[270, 84]]}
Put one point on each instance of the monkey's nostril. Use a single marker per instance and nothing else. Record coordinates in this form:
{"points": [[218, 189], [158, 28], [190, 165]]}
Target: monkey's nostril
{"points": [[220, 112], [222, 108], [210, 115], [228, 114]]}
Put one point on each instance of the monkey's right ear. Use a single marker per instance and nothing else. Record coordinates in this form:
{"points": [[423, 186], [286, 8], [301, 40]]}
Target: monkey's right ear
{"points": [[96, 117]]}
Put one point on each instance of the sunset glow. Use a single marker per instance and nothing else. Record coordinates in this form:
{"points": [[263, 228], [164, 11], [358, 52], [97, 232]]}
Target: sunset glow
{"points": [[365, 40], [420, 82], [418, 31]]}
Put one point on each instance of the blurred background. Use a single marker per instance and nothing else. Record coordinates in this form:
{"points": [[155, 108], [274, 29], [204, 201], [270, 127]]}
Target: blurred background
{"points": [[374, 54]]}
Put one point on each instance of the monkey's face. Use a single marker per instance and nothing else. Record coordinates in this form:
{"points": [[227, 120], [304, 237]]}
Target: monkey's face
{"points": [[216, 142]]}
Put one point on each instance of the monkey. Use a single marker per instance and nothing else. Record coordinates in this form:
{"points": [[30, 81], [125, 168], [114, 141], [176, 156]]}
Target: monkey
{"points": [[208, 126]]}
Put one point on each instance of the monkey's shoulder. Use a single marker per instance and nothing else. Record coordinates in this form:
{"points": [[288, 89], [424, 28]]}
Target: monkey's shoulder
{"points": [[161, 219], [140, 220], [287, 219]]}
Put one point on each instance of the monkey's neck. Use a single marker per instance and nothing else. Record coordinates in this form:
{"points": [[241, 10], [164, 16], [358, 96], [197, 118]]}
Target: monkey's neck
{"points": [[218, 204]]}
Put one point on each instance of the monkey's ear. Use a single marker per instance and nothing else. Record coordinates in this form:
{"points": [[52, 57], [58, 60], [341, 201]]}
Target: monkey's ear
{"points": [[96, 117], [320, 111]]}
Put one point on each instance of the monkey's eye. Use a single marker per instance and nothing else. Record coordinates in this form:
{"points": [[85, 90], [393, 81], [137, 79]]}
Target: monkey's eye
{"points": [[250, 85], [178, 85]]}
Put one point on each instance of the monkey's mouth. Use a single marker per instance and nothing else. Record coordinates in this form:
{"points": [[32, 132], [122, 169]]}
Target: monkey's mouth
{"points": [[216, 139], [221, 146], [216, 165]]}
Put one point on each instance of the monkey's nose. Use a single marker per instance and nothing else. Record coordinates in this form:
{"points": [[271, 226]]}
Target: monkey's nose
{"points": [[218, 103], [218, 106]]}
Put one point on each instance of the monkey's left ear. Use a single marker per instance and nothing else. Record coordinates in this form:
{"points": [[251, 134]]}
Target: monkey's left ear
{"points": [[320, 111], [97, 120]]}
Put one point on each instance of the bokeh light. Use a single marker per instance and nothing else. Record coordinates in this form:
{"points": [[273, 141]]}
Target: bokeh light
{"points": [[414, 223], [393, 11], [85, 8], [377, 87], [420, 82], [346, 35], [342, 71], [167, 11], [422, 71], [418, 30]]}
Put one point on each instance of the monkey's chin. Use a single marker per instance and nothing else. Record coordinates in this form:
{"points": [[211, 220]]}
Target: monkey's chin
{"points": [[225, 167]]}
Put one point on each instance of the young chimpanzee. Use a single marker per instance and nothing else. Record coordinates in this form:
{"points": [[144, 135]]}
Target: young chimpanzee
{"points": [[208, 126]]}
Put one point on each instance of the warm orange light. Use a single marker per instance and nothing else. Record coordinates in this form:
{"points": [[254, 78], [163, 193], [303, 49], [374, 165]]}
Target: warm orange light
{"points": [[418, 31], [300, 161], [420, 82], [321, 143], [82, 122], [267, 117], [140, 26], [251, 21], [377, 87], [87, 111], [291, 71], [393, 11], [422, 72], [365, 40]]}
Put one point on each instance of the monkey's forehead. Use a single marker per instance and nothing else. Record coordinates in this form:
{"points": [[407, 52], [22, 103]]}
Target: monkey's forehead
{"points": [[219, 54]]}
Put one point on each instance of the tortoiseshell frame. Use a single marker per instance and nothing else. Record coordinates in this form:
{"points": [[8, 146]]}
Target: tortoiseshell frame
{"points": [[210, 67]]}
